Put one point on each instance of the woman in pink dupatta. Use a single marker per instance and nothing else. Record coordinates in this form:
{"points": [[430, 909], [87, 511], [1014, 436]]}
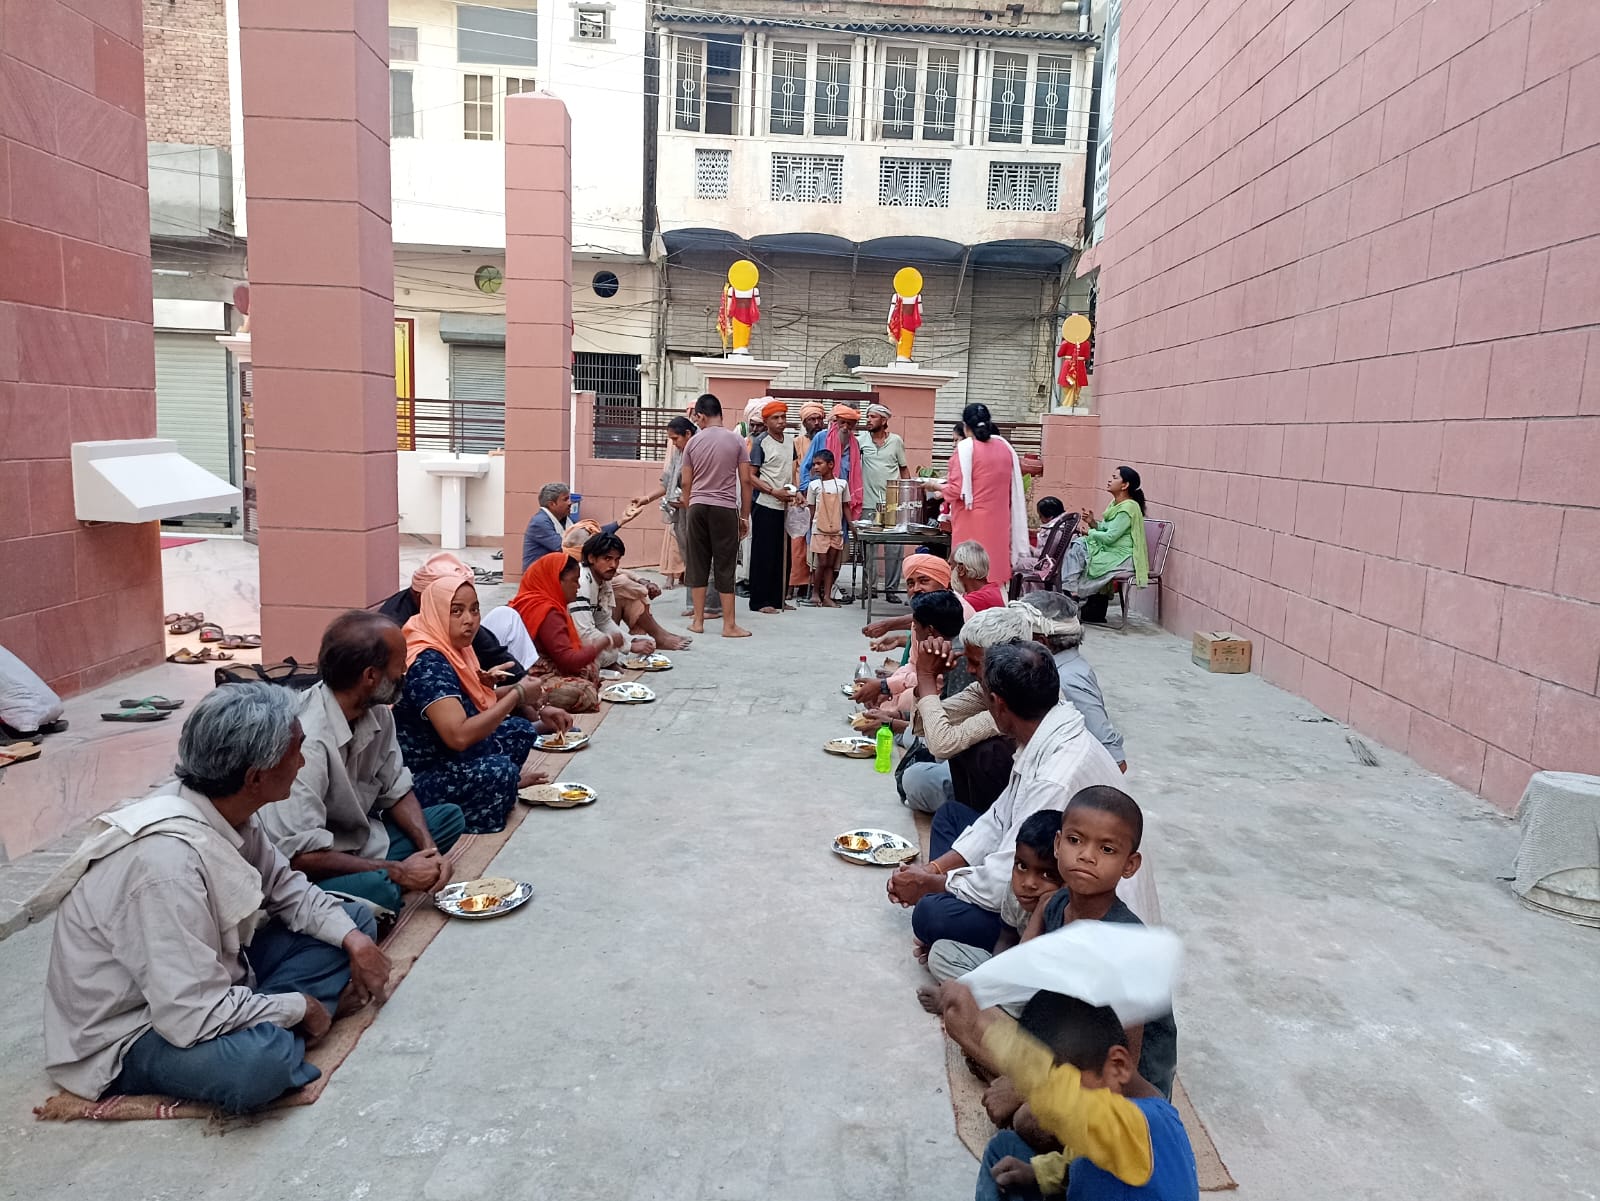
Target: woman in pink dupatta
{"points": [[984, 491]]}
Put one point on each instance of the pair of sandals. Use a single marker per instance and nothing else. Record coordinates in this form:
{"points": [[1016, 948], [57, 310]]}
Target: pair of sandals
{"points": [[143, 709], [209, 631], [205, 654]]}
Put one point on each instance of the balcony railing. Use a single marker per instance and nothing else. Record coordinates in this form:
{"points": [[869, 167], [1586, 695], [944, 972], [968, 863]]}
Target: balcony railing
{"points": [[452, 426]]}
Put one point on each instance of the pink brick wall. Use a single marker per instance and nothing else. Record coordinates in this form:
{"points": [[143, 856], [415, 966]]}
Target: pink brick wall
{"points": [[1350, 333], [77, 357]]}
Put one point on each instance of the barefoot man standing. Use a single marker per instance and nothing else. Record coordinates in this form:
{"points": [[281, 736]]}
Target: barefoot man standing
{"points": [[716, 503]]}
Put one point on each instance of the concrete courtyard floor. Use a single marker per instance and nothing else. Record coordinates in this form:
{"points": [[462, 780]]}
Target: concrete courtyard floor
{"points": [[702, 1002]]}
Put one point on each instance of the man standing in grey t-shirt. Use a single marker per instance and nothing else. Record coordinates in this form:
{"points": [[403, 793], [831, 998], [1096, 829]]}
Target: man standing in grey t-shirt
{"points": [[716, 506]]}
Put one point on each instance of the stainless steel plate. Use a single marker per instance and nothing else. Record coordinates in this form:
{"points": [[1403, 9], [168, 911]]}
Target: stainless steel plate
{"points": [[574, 740], [647, 663], [627, 694], [884, 848], [449, 900], [851, 748]]}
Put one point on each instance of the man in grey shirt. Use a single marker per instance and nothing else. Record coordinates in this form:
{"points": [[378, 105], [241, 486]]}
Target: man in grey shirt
{"points": [[1058, 628], [189, 959]]}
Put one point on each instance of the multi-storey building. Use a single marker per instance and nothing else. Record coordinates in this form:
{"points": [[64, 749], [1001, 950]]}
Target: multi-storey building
{"points": [[196, 257], [831, 147], [835, 146], [451, 68]]}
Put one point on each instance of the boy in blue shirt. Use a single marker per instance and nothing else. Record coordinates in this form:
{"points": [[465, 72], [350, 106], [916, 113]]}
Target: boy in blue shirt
{"points": [[1122, 1140]]}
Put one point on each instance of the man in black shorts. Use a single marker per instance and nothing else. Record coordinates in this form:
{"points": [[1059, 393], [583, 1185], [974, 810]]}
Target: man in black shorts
{"points": [[716, 504]]}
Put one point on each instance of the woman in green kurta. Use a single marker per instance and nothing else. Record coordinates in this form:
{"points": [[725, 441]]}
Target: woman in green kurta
{"points": [[1112, 545]]}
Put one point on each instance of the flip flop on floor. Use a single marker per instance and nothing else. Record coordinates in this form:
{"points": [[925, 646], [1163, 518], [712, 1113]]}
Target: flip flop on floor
{"points": [[137, 713], [240, 642], [184, 655], [18, 752], [187, 623], [210, 631], [152, 702]]}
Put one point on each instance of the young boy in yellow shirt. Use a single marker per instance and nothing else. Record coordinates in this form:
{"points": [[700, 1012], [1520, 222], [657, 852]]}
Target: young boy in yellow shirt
{"points": [[1122, 1140]]}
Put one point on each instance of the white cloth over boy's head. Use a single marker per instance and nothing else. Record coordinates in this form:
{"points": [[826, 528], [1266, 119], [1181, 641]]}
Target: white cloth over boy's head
{"points": [[1131, 969]]}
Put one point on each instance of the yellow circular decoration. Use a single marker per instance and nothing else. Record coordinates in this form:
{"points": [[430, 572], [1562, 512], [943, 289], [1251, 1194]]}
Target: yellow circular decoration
{"points": [[743, 276], [908, 282], [1076, 328]]}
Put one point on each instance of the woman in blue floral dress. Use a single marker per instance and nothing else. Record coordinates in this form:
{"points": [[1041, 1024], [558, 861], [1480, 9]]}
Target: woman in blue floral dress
{"points": [[465, 739]]}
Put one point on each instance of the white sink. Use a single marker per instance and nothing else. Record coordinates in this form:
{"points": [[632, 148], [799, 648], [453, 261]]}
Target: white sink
{"points": [[453, 473], [473, 466]]}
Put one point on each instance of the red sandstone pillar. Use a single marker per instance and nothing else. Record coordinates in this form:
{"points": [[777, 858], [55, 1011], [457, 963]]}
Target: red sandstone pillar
{"points": [[538, 292], [909, 394], [316, 119], [736, 381]]}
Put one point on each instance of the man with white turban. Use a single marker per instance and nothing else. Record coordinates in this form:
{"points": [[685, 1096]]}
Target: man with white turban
{"points": [[883, 458]]}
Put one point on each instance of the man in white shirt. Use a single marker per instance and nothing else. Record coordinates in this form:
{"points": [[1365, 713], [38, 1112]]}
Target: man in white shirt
{"points": [[959, 894], [600, 613], [352, 821], [189, 959]]}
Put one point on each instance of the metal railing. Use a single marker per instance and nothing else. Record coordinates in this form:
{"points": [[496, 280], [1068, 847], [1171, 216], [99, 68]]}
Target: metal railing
{"points": [[452, 426], [630, 432]]}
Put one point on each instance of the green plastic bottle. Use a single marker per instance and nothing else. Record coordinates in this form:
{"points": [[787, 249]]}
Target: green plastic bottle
{"points": [[885, 760]]}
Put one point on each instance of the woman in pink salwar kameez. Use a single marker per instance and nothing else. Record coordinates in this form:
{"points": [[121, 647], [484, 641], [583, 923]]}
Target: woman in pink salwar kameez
{"points": [[984, 492]]}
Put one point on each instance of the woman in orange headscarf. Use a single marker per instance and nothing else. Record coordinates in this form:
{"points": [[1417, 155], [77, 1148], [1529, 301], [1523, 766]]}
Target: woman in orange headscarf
{"points": [[463, 732], [566, 662]]}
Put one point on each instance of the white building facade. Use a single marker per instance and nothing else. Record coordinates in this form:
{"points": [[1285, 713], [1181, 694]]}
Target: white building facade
{"points": [[834, 148], [452, 68]]}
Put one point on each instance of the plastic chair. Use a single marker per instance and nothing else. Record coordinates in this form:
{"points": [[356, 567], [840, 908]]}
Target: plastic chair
{"points": [[1158, 536]]}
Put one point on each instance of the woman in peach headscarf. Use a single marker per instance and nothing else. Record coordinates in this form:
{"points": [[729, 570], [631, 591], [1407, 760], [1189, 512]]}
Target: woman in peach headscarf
{"points": [[459, 727], [491, 648], [566, 663]]}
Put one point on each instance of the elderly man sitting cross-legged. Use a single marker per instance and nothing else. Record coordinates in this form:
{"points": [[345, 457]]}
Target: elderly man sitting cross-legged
{"points": [[189, 959], [352, 822]]}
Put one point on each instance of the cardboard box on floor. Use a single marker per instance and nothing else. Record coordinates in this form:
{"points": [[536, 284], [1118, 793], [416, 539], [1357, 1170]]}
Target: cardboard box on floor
{"points": [[1221, 651]]}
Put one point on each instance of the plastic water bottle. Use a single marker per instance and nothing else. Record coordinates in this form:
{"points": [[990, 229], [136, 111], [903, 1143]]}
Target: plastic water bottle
{"points": [[863, 672], [885, 759]]}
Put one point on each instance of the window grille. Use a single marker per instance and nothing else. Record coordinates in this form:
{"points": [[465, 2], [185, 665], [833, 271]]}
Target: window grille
{"points": [[899, 93], [832, 111], [808, 178], [914, 182], [614, 380], [1052, 90], [1008, 96], [711, 173], [1025, 187], [788, 89], [939, 96], [686, 96], [591, 24]]}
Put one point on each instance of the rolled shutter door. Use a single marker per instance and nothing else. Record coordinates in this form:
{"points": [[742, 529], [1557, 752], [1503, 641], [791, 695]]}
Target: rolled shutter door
{"points": [[192, 400], [479, 373]]}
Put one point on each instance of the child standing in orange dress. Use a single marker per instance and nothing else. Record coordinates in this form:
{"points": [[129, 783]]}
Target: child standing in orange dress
{"points": [[826, 498]]}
